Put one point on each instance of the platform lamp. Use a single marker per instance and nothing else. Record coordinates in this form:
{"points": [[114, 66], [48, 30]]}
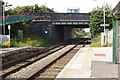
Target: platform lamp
{"points": [[3, 7]]}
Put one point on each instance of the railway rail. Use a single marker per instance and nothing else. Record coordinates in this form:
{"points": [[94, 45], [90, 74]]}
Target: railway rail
{"points": [[52, 70], [52, 60], [27, 62]]}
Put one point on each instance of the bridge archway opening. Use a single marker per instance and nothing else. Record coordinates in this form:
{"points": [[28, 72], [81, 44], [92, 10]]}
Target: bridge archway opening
{"points": [[68, 31]]}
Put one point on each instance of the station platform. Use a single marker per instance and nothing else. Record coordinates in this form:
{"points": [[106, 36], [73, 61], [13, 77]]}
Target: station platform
{"points": [[4, 50], [13, 49], [91, 63]]}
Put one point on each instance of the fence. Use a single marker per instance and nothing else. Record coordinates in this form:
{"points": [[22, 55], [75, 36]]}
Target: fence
{"points": [[106, 38], [15, 19]]}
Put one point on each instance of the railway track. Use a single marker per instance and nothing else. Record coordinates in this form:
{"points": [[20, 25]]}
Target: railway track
{"points": [[42, 65], [27, 62], [30, 54], [52, 70]]}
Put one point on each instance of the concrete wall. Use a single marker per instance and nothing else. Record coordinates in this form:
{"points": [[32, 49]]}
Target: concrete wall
{"points": [[68, 33], [48, 31], [40, 29], [57, 34], [52, 33]]}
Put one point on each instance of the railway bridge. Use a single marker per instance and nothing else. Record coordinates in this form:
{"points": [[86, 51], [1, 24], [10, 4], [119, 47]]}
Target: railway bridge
{"points": [[58, 27]]}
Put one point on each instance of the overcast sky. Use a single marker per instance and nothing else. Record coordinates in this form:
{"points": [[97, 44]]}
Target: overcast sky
{"points": [[62, 5]]}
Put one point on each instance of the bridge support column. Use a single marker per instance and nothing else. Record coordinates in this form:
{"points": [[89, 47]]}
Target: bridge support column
{"points": [[68, 33]]}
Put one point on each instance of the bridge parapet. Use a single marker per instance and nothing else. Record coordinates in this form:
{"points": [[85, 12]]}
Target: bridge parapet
{"points": [[61, 17]]}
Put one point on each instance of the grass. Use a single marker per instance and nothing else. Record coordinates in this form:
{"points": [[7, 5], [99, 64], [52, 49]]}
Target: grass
{"points": [[96, 42], [30, 40]]}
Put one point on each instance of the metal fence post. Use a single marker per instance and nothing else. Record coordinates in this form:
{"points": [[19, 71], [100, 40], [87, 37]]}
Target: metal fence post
{"points": [[114, 39]]}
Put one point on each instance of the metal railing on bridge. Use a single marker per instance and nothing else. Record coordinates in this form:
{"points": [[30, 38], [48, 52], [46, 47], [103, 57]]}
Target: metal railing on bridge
{"points": [[15, 19]]}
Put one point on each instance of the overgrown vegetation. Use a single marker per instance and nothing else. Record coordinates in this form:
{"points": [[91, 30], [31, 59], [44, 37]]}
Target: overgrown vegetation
{"points": [[30, 40], [96, 18], [24, 26], [79, 32], [6, 44], [96, 41], [28, 9], [26, 38]]}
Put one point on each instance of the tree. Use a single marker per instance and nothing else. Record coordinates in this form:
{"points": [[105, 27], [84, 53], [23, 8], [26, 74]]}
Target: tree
{"points": [[96, 18], [79, 32], [25, 25], [28, 10], [106, 6], [36, 8]]}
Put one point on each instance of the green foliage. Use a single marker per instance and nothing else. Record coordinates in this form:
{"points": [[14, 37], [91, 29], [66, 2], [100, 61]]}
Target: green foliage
{"points": [[96, 18], [26, 26], [6, 44], [28, 10], [79, 32], [96, 41], [30, 40]]}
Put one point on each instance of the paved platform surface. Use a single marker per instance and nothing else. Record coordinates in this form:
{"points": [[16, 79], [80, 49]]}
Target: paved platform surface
{"points": [[102, 66], [104, 70], [91, 63], [79, 66]]}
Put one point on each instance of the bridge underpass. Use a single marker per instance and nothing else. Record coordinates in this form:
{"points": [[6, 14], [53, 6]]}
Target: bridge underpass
{"points": [[69, 27], [58, 27]]}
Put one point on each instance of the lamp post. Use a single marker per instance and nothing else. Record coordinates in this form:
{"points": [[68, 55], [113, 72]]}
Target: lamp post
{"points": [[9, 27], [104, 15], [3, 7], [105, 33]]}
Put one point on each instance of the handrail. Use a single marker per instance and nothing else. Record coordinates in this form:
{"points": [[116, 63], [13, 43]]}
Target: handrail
{"points": [[15, 19]]}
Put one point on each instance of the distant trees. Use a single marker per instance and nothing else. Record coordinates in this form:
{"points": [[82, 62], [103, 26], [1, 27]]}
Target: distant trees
{"points": [[96, 18], [28, 10], [79, 32]]}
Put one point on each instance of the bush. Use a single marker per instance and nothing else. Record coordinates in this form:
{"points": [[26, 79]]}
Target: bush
{"points": [[6, 44], [30, 40], [96, 41]]}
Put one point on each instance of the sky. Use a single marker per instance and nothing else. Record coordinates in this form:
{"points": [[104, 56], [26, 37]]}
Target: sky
{"points": [[62, 5]]}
